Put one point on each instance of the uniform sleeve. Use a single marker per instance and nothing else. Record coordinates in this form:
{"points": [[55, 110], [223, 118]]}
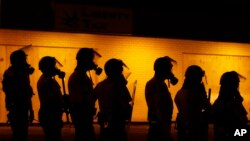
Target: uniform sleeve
{"points": [[8, 89], [148, 95], [126, 104], [206, 102], [80, 89], [177, 100], [75, 90], [7, 83], [122, 95]]}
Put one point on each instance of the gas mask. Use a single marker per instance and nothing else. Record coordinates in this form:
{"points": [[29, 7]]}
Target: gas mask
{"points": [[18, 59], [61, 74], [49, 66], [27, 66], [116, 68], [98, 70], [173, 80], [56, 71], [29, 69], [85, 60], [163, 69]]}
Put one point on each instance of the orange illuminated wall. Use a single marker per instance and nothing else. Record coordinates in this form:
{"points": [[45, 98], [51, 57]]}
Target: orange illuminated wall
{"points": [[139, 53]]}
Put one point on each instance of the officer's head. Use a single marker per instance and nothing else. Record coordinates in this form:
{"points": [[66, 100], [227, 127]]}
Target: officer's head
{"points": [[47, 65], [163, 68], [85, 60], [114, 67], [229, 85], [230, 79], [194, 73], [18, 58]]}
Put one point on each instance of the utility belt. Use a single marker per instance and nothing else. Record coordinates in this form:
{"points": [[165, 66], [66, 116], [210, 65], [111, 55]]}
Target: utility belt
{"points": [[180, 124], [107, 118], [152, 118], [102, 118], [151, 122]]}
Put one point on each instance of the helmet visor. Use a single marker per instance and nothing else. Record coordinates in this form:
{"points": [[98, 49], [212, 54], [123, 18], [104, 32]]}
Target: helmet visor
{"points": [[126, 72]]}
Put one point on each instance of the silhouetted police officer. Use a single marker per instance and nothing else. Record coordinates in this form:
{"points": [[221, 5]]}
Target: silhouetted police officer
{"points": [[51, 101], [228, 109], [18, 93], [191, 100], [81, 95], [159, 100], [114, 102]]}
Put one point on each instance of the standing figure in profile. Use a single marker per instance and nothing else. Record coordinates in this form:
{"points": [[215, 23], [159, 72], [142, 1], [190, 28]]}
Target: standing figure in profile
{"points": [[229, 112], [114, 102], [159, 100], [191, 100], [51, 101], [81, 95], [18, 94]]}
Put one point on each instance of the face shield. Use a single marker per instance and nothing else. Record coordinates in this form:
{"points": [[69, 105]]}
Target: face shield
{"points": [[241, 77], [204, 79], [97, 56], [126, 72], [173, 80], [26, 49], [61, 74]]}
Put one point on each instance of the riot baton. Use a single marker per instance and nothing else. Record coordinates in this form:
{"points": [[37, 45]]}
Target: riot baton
{"points": [[132, 105], [207, 115], [66, 102], [209, 95]]}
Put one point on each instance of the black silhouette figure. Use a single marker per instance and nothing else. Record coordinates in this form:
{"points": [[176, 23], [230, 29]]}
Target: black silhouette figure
{"points": [[81, 95], [229, 112], [18, 94], [159, 100], [191, 100], [51, 101], [114, 102]]}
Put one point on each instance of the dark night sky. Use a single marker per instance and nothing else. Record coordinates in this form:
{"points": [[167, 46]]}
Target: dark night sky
{"points": [[228, 21]]}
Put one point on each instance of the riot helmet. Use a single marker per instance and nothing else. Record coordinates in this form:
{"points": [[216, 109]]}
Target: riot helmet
{"points": [[194, 72], [18, 58], [48, 67], [230, 79], [163, 68], [114, 67], [230, 82], [85, 60]]}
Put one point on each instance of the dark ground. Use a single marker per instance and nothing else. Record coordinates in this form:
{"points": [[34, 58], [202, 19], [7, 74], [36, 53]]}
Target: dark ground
{"points": [[137, 132]]}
